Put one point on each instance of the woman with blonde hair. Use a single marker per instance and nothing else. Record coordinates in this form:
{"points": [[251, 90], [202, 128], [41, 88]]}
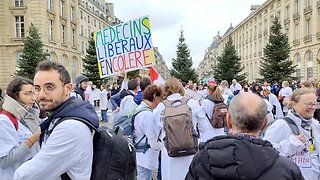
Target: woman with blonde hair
{"points": [[177, 167], [19, 127], [298, 136], [213, 98]]}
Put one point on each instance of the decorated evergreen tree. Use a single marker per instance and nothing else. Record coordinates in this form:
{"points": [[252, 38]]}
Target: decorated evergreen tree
{"points": [[228, 65], [276, 65], [182, 65], [32, 54], [90, 63]]}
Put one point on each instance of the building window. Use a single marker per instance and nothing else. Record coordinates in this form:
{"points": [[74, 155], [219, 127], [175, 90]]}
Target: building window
{"points": [[72, 13], [81, 14], [287, 12], [89, 33], [95, 22], [298, 59], [50, 5], [81, 30], [298, 73], [99, 25], [88, 19], [309, 72], [63, 31], [73, 37], [82, 47], [18, 3], [296, 5], [309, 56], [297, 33], [19, 22], [61, 7], [309, 3], [308, 27], [51, 30]]}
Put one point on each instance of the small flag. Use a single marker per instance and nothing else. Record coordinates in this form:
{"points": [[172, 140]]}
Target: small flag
{"points": [[156, 77]]}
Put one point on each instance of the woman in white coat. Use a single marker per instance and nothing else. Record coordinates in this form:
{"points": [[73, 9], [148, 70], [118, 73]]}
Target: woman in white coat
{"points": [[214, 96], [146, 132], [304, 148], [177, 167], [19, 127]]}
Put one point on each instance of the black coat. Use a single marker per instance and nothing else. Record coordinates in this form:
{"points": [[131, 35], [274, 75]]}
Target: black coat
{"points": [[241, 157]]}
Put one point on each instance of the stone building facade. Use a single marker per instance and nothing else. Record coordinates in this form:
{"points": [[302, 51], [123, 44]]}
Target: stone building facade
{"points": [[300, 21]]}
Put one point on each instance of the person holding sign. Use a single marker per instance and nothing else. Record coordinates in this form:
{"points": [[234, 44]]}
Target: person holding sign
{"points": [[297, 136]]}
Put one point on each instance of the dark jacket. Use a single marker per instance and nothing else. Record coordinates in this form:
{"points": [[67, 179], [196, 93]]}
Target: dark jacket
{"points": [[138, 98], [79, 91], [241, 157], [73, 107]]}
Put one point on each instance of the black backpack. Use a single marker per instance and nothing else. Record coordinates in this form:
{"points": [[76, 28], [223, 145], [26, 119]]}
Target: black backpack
{"points": [[114, 156]]}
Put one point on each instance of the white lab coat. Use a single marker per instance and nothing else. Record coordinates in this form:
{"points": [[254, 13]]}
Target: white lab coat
{"points": [[176, 168], [282, 138]]}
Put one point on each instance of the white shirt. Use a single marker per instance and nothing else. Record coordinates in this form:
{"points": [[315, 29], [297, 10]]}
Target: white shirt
{"points": [[209, 107], [11, 138], [103, 99], [235, 87], [145, 124], [88, 93], [176, 168], [68, 149], [127, 104], [275, 102], [285, 92], [282, 138]]}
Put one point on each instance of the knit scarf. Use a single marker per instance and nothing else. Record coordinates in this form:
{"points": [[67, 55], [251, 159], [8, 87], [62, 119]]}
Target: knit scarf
{"points": [[28, 116], [305, 123]]}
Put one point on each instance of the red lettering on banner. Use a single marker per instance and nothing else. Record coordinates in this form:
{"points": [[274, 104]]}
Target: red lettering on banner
{"points": [[138, 56], [131, 59], [113, 65]]}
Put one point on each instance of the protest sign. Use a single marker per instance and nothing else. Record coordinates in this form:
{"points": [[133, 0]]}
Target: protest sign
{"points": [[124, 47]]}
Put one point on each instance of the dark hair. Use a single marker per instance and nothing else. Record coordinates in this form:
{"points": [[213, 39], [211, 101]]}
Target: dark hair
{"points": [[150, 91], [136, 76], [145, 81], [50, 65], [133, 84], [15, 85]]}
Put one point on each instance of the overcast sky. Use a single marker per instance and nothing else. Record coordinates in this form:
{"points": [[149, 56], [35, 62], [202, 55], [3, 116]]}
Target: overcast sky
{"points": [[200, 19]]}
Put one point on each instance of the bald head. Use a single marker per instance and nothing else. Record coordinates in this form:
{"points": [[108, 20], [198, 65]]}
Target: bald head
{"points": [[248, 112]]}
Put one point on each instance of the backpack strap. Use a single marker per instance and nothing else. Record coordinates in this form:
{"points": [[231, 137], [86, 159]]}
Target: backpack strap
{"points": [[146, 146], [293, 126], [12, 118], [92, 127]]}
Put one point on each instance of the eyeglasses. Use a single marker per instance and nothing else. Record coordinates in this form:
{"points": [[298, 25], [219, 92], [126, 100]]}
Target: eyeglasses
{"points": [[29, 93], [48, 88], [312, 104]]}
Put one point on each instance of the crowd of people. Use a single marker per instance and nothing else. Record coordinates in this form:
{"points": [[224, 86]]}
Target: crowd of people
{"points": [[268, 131]]}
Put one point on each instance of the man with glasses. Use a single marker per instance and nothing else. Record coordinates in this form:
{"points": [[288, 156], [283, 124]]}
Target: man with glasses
{"points": [[68, 151]]}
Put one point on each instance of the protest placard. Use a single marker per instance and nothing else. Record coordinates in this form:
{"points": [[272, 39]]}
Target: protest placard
{"points": [[124, 47]]}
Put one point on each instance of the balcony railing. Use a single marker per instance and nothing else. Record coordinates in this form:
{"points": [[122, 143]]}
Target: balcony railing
{"points": [[286, 20], [318, 4], [307, 38], [296, 42], [296, 15], [307, 10]]}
